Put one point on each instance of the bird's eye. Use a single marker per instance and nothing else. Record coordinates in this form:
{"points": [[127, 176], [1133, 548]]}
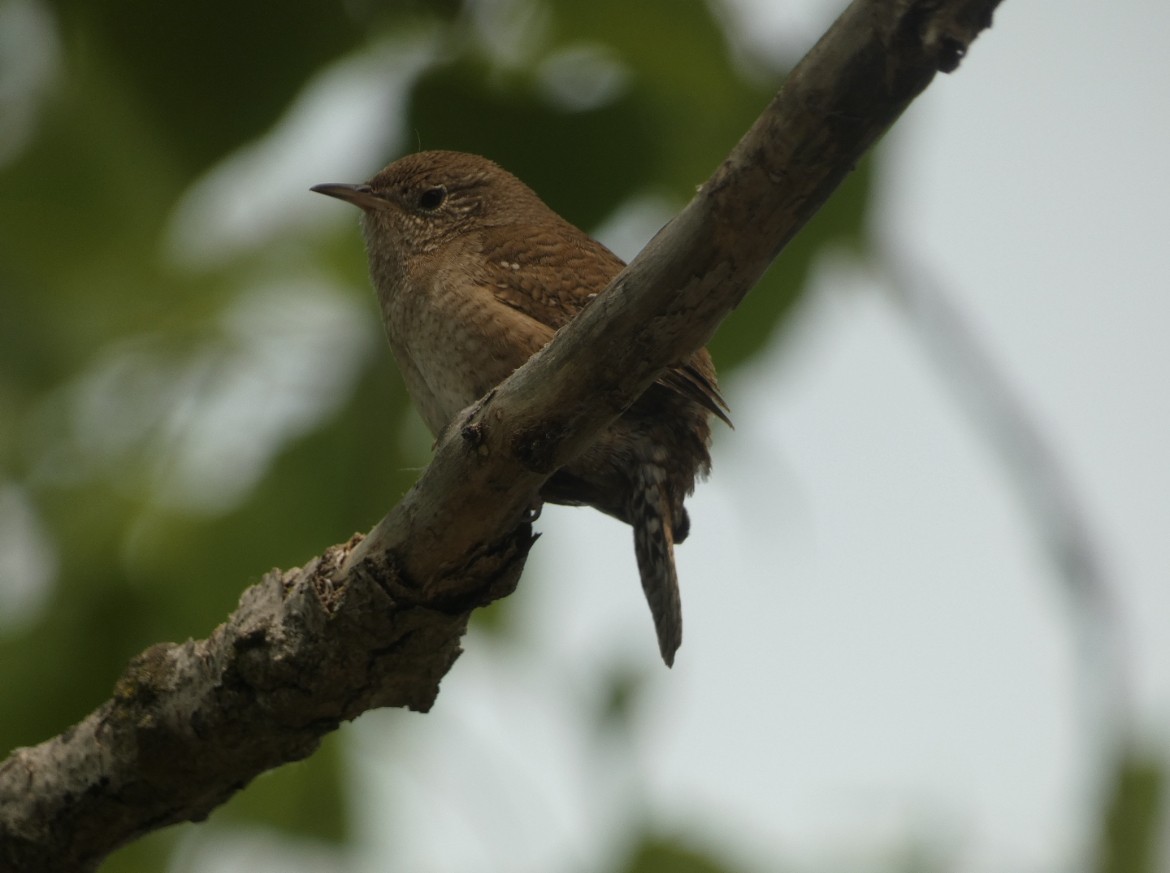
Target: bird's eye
{"points": [[432, 198]]}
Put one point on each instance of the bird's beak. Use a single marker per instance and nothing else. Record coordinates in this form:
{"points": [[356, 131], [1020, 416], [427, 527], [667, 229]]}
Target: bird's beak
{"points": [[359, 195]]}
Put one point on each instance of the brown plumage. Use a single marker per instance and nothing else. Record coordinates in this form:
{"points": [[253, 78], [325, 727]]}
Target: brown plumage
{"points": [[474, 274]]}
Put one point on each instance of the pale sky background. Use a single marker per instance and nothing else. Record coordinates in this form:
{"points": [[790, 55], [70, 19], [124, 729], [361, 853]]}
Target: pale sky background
{"points": [[878, 653]]}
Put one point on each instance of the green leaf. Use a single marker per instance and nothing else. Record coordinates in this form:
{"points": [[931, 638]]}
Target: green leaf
{"points": [[659, 855], [1131, 833]]}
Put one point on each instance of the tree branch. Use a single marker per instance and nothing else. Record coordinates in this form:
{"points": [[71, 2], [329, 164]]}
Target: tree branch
{"points": [[377, 621]]}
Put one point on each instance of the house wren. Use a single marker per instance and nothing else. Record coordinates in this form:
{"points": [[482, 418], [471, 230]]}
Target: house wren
{"points": [[475, 274]]}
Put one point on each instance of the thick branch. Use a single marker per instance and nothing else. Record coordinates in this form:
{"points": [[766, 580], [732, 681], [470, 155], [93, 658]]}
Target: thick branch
{"points": [[377, 622]]}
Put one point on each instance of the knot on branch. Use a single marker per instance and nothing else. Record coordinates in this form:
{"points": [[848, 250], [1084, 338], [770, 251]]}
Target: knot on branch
{"points": [[945, 30]]}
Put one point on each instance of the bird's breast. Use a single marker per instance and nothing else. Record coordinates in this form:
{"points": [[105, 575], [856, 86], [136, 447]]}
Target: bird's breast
{"points": [[453, 342]]}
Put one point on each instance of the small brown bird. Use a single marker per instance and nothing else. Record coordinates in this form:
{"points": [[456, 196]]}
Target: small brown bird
{"points": [[474, 274]]}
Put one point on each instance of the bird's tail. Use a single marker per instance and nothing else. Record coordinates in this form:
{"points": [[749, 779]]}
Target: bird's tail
{"points": [[651, 514]]}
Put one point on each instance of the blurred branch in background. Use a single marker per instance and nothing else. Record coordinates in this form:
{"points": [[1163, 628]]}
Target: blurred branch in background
{"points": [[1129, 784], [1046, 489]]}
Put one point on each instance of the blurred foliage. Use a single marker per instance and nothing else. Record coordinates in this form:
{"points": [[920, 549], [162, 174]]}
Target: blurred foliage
{"points": [[1134, 814], [155, 458], [669, 856]]}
